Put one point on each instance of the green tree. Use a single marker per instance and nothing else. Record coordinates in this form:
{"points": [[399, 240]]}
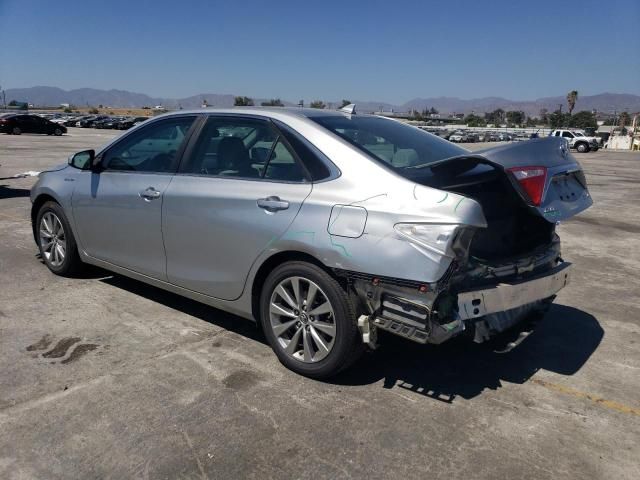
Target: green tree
{"points": [[572, 97], [558, 119], [243, 102], [584, 119], [274, 102], [496, 117], [473, 120], [515, 117], [19, 105], [317, 104], [433, 111], [544, 116], [344, 103], [624, 119]]}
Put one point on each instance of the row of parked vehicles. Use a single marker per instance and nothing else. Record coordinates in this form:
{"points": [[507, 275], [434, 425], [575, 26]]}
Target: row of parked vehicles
{"points": [[99, 121], [465, 136], [576, 139], [17, 123]]}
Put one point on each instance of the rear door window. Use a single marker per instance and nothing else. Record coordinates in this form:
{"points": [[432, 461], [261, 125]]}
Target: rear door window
{"points": [[243, 148]]}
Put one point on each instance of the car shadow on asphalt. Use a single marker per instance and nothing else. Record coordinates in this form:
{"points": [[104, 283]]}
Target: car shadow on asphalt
{"points": [[185, 305], [8, 192], [562, 343]]}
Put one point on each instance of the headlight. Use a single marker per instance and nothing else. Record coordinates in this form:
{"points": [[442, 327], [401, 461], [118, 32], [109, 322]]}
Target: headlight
{"points": [[432, 236]]}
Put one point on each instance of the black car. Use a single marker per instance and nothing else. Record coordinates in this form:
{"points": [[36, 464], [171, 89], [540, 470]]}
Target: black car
{"points": [[90, 122], [112, 122], [25, 123], [129, 122]]}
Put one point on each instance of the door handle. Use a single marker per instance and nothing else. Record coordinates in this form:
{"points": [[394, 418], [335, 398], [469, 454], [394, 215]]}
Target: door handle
{"points": [[149, 194], [272, 204]]}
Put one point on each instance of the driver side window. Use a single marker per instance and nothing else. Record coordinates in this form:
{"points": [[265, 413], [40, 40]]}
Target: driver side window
{"points": [[150, 149]]}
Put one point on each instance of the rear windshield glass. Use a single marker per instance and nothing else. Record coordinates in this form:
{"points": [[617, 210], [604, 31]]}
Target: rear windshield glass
{"points": [[392, 143]]}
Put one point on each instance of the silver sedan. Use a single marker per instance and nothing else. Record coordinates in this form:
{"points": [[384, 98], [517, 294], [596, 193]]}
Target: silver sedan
{"points": [[323, 226]]}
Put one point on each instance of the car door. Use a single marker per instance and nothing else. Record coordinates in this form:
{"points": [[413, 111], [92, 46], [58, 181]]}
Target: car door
{"points": [[118, 209], [239, 187], [43, 125], [25, 123]]}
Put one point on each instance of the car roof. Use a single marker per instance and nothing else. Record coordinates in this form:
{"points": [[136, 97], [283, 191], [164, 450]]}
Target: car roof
{"points": [[294, 112]]}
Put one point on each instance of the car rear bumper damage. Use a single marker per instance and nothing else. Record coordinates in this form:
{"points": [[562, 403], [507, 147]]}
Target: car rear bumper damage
{"points": [[434, 313]]}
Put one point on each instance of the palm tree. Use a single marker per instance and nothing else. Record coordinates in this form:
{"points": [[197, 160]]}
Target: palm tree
{"points": [[572, 97]]}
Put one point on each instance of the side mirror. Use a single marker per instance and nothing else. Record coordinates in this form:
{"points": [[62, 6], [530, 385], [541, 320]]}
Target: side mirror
{"points": [[83, 160]]}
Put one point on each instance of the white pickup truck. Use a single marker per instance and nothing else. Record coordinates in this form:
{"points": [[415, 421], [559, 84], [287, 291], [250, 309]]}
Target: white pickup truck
{"points": [[578, 140]]}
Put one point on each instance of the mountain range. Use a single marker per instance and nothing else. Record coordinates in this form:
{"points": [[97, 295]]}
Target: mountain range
{"points": [[53, 96]]}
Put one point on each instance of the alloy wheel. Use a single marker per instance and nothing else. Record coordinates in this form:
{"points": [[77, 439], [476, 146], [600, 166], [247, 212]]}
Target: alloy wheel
{"points": [[53, 240], [302, 320]]}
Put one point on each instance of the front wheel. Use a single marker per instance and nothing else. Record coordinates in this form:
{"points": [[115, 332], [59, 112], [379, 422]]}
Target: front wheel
{"points": [[57, 132], [309, 320], [582, 147], [56, 242]]}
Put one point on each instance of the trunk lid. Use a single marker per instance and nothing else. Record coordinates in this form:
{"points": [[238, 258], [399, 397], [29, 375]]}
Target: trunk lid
{"points": [[565, 191]]}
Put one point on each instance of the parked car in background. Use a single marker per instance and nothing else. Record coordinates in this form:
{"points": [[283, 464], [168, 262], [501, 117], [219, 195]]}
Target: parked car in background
{"points": [[494, 137], [108, 123], [28, 123], [127, 123], [482, 137], [90, 121], [458, 136], [325, 227], [578, 140], [504, 137], [521, 137], [72, 121]]}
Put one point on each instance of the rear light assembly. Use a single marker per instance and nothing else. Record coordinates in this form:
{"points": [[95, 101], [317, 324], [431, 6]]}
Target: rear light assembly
{"points": [[532, 180]]}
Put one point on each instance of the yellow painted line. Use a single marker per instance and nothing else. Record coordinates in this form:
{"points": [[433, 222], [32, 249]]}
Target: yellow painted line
{"points": [[610, 404]]}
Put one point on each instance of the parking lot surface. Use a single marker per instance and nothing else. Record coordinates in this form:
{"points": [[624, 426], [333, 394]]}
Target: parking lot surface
{"points": [[106, 377]]}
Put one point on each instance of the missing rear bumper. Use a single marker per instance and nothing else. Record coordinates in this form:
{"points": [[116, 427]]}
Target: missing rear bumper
{"points": [[509, 296]]}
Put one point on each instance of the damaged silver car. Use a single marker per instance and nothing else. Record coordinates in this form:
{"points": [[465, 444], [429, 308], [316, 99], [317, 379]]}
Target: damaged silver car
{"points": [[323, 226]]}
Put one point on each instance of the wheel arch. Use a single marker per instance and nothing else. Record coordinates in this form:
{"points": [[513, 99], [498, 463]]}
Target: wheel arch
{"points": [[35, 208], [273, 262]]}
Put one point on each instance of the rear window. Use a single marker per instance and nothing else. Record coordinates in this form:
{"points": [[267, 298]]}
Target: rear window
{"points": [[389, 142]]}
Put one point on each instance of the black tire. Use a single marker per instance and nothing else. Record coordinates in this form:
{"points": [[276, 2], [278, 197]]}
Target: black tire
{"points": [[582, 147], [57, 132], [71, 264], [347, 346], [16, 131]]}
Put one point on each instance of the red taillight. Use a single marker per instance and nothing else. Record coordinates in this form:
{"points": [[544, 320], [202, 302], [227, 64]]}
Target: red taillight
{"points": [[532, 181], [3, 120]]}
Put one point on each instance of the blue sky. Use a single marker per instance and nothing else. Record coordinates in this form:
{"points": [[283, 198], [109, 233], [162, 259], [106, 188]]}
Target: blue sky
{"points": [[390, 50]]}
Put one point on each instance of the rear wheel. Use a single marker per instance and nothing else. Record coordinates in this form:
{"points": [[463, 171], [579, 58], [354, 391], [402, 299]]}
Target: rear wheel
{"points": [[55, 240], [309, 320], [16, 131], [582, 147]]}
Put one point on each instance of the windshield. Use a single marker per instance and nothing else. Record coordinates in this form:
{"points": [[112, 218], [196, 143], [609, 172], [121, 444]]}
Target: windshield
{"points": [[578, 134], [392, 143]]}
